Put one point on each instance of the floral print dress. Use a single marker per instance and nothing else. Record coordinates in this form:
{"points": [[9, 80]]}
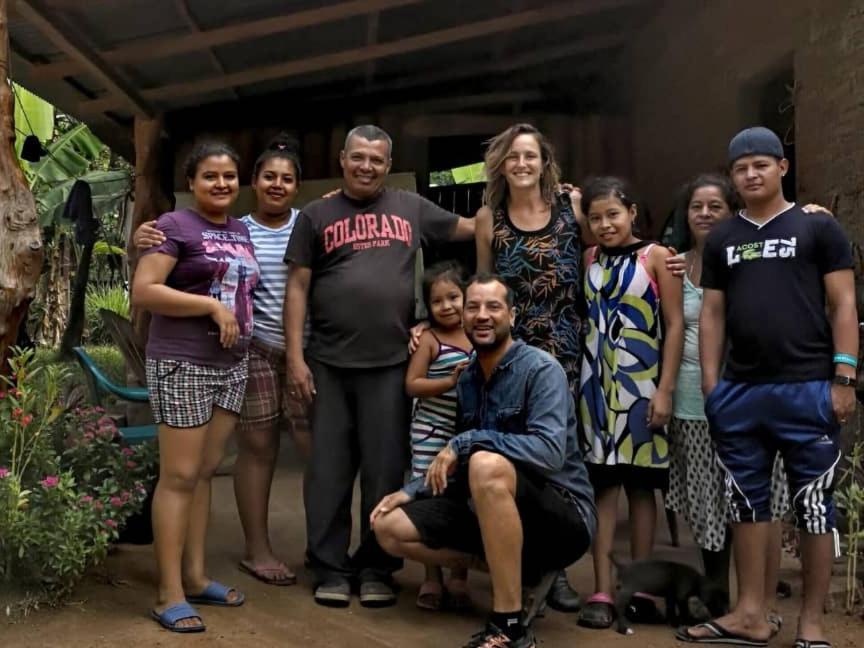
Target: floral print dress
{"points": [[544, 269]]}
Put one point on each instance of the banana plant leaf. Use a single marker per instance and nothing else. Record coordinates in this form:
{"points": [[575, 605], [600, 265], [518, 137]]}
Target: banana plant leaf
{"points": [[33, 116], [109, 190], [70, 157]]}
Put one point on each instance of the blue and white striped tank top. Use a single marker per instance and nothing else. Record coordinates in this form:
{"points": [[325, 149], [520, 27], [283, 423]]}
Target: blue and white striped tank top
{"points": [[434, 422]]}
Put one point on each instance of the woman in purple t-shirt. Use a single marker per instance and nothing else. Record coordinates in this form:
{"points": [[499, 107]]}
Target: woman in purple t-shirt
{"points": [[198, 285]]}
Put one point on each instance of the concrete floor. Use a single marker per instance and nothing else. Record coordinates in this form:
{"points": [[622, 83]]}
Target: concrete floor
{"points": [[111, 608]]}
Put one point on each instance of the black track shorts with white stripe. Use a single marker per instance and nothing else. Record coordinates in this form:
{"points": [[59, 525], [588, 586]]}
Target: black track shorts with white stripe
{"points": [[752, 422], [183, 394]]}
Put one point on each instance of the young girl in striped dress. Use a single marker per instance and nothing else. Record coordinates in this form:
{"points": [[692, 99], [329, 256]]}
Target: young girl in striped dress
{"points": [[432, 374]]}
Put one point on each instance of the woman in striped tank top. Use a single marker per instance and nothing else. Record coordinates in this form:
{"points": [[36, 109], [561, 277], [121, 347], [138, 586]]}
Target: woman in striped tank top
{"points": [[443, 351]]}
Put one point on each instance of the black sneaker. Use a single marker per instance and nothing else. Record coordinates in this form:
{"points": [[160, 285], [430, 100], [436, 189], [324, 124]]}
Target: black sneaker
{"points": [[562, 597], [335, 591], [493, 637], [376, 594]]}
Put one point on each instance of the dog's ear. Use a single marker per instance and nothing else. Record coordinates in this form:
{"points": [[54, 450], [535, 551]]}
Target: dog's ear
{"points": [[697, 610]]}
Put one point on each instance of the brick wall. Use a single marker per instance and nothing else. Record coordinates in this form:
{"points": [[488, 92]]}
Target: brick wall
{"points": [[830, 112], [693, 64]]}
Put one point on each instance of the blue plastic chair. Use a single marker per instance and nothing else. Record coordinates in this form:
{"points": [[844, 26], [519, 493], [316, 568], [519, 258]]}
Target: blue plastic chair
{"points": [[100, 385]]}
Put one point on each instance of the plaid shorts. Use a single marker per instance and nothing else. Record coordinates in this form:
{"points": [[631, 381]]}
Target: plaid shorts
{"points": [[267, 395], [183, 394]]}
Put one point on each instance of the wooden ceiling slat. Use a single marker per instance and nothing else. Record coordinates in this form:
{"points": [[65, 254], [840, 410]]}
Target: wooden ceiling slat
{"points": [[503, 64], [170, 45], [70, 41], [186, 13], [558, 11]]}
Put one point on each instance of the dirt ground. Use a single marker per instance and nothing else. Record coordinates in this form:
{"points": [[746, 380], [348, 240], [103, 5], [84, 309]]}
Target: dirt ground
{"points": [[112, 610]]}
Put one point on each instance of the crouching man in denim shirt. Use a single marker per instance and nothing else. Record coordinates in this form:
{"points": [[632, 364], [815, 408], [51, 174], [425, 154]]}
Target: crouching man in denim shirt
{"points": [[511, 487]]}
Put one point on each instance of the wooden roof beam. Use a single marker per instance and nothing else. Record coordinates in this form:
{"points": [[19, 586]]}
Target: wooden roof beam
{"points": [[157, 47], [69, 40], [469, 31], [465, 102]]}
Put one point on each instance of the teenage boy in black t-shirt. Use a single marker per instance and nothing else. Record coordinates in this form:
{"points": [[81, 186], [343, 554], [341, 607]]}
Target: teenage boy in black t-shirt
{"points": [[788, 382]]}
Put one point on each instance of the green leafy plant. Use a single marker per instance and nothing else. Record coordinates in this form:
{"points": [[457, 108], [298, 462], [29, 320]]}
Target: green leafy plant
{"points": [[68, 482], [28, 407], [850, 499], [112, 298]]}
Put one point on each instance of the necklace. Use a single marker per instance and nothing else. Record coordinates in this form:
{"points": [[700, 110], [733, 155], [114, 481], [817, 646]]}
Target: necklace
{"points": [[694, 263]]}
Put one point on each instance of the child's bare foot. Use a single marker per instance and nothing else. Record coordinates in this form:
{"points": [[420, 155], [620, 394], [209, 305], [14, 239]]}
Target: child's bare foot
{"points": [[271, 571]]}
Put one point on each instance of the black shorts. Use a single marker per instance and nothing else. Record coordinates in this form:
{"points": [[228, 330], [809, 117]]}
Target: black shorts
{"points": [[630, 477], [553, 527]]}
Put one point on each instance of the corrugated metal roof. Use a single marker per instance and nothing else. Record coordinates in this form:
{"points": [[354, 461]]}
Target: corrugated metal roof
{"points": [[110, 24], [217, 14]]}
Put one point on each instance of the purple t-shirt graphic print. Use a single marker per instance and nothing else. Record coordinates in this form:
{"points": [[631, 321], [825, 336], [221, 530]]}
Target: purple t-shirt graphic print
{"points": [[212, 260]]}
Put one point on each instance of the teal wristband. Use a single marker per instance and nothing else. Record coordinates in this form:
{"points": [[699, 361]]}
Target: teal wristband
{"points": [[845, 358]]}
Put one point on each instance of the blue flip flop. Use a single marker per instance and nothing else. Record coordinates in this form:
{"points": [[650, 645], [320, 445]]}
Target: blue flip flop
{"points": [[171, 616], [217, 594]]}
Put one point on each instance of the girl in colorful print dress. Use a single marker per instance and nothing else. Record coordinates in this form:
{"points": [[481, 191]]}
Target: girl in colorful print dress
{"points": [[625, 397], [432, 374]]}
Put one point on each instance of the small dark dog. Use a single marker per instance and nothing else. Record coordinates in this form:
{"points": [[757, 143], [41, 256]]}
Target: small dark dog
{"points": [[675, 582]]}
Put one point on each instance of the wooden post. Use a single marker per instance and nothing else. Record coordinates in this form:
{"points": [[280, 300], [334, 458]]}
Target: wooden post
{"points": [[21, 250], [150, 199]]}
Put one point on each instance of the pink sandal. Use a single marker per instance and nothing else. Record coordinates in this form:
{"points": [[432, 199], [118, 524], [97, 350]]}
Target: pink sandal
{"points": [[430, 596], [598, 613]]}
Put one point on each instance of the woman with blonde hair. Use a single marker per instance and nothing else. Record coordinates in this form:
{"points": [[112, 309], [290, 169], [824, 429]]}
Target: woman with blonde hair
{"points": [[530, 232]]}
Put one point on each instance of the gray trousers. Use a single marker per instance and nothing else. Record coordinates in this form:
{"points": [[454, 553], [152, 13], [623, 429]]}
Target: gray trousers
{"points": [[360, 421]]}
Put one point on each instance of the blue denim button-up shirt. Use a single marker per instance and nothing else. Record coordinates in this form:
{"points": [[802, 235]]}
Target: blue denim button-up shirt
{"points": [[525, 412]]}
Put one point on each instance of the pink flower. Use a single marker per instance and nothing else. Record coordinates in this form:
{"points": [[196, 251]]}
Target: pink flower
{"points": [[17, 412], [26, 420], [131, 464], [116, 502], [124, 496], [50, 481], [4, 472], [128, 452], [2, 395], [111, 523], [86, 499], [99, 410]]}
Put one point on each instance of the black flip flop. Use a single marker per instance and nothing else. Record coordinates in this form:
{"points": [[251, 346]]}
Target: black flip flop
{"points": [[719, 636], [807, 643]]}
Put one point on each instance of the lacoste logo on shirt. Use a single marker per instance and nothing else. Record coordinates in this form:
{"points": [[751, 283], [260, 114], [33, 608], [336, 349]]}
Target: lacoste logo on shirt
{"points": [[767, 249]]}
